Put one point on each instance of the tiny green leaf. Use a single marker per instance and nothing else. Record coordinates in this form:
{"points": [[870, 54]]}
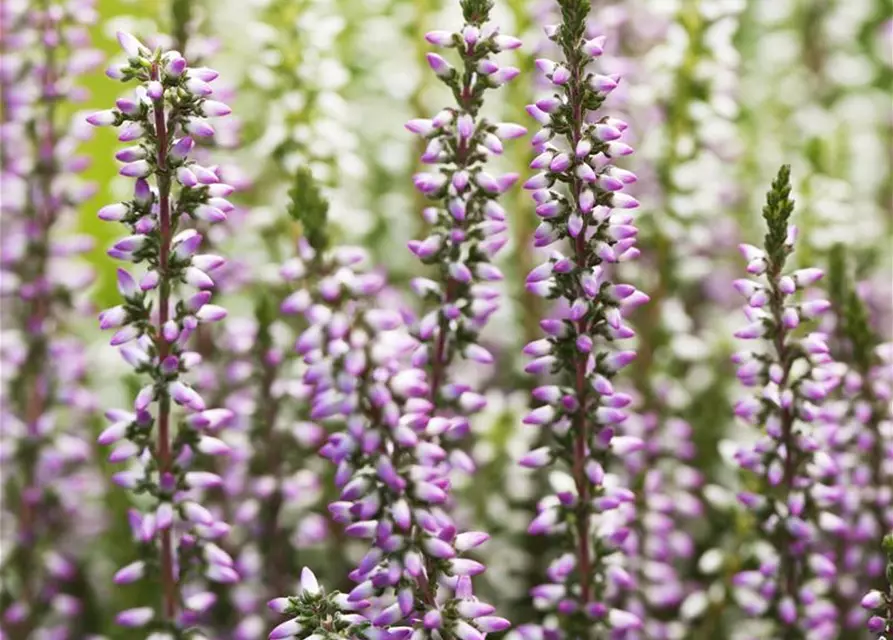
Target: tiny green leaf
{"points": [[573, 23], [777, 213], [476, 12], [181, 16], [837, 277], [310, 208]]}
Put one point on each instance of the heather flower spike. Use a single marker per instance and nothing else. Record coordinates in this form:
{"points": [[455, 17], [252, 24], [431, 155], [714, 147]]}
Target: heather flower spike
{"points": [[315, 613], [858, 421], [389, 468], [791, 373], [51, 490], [579, 408], [468, 225], [169, 429], [879, 604]]}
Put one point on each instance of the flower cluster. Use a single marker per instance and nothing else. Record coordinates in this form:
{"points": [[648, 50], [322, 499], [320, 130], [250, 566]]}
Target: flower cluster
{"points": [[48, 489], [880, 603], [580, 199], [792, 374], [857, 432], [467, 222], [389, 468], [318, 614], [290, 417], [661, 545], [162, 307], [272, 480]]}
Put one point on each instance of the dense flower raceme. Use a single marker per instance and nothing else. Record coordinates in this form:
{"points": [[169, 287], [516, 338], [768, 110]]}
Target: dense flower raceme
{"points": [[879, 603], [49, 493], [795, 496], [580, 200], [163, 306], [272, 480], [413, 580], [660, 547], [468, 223], [857, 430]]}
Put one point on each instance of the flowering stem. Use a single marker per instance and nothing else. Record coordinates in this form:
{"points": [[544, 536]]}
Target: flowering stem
{"points": [[34, 375], [579, 199], [169, 582], [441, 357], [277, 558], [776, 305], [581, 427], [440, 360], [790, 509]]}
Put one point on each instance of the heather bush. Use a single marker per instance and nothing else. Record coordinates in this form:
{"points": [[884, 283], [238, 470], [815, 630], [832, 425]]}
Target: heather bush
{"points": [[398, 320]]}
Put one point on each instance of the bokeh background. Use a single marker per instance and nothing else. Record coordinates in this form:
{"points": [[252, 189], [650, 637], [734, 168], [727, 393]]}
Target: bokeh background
{"points": [[718, 93]]}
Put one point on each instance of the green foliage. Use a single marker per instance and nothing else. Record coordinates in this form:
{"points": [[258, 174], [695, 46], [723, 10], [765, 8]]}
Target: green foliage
{"points": [[777, 213], [858, 330], [310, 208], [181, 15], [854, 326], [573, 23], [837, 277], [266, 312], [476, 12]]}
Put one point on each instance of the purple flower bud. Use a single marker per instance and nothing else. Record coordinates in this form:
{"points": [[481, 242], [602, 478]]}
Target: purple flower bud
{"points": [[440, 38], [288, 629], [131, 132], [200, 128], [603, 83], [103, 118], [133, 618], [215, 109], [132, 47], [138, 169], [114, 212], [594, 47], [441, 67]]}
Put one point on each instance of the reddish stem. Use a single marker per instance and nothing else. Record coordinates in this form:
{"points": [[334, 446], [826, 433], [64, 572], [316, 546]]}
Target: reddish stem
{"points": [[440, 363], [788, 565], [164, 457], [36, 385], [581, 428]]}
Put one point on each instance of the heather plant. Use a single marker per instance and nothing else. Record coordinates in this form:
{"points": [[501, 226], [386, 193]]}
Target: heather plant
{"points": [[856, 423], [389, 465], [879, 602], [49, 484], [270, 482], [792, 503], [325, 448], [468, 223], [580, 198], [161, 308]]}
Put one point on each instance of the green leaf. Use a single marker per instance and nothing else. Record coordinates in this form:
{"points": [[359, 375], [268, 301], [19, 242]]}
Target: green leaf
{"points": [[476, 12], [573, 23], [837, 277], [857, 328], [181, 15], [854, 319], [777, 214], [310, 208]]}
